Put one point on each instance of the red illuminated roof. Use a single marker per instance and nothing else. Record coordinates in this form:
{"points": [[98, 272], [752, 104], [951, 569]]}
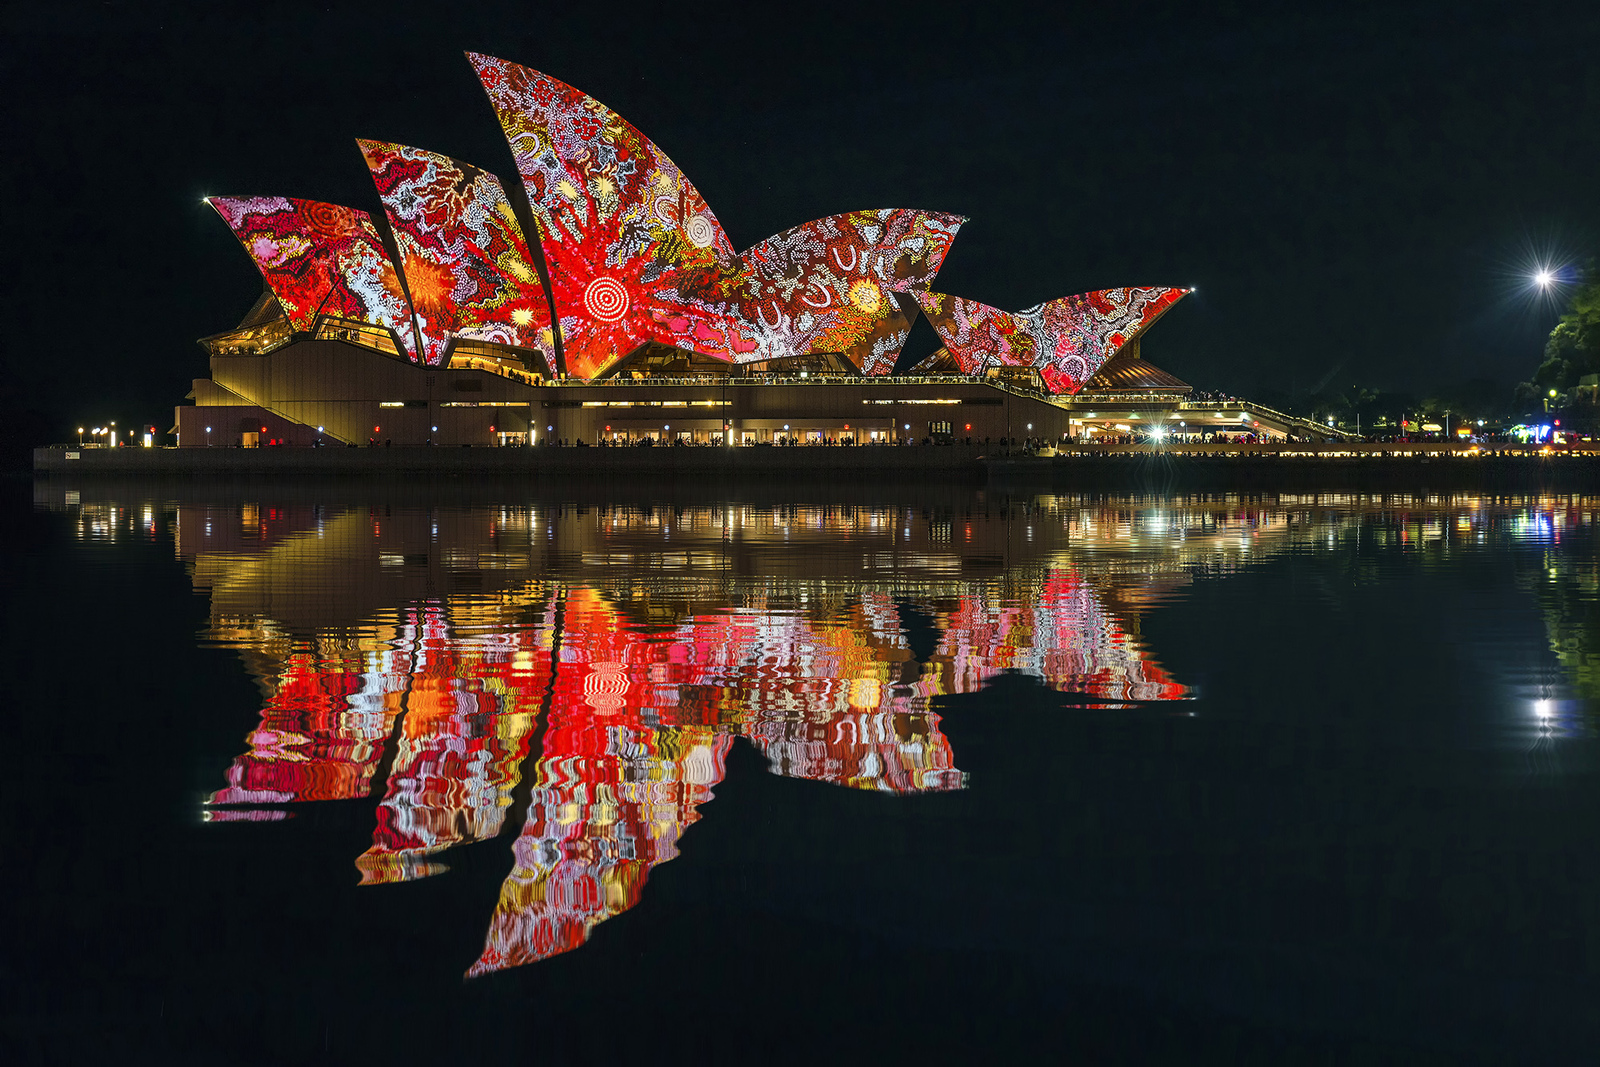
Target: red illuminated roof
{"points": [[320, 259], [636, 256], [468, 269], [1066, 340]]}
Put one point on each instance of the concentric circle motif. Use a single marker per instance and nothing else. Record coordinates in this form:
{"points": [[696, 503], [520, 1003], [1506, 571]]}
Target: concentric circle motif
{"points": [[330, 220], [700, 231], [1076, 367], [606, 299]]}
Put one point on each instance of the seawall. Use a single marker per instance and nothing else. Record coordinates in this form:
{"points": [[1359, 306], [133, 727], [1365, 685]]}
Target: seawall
{"points": [[1109, 468], [1160, 471], [940, 462]]}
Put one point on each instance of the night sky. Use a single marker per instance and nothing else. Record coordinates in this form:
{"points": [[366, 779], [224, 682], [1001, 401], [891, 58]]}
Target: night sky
{"points": [[1359, 193]]}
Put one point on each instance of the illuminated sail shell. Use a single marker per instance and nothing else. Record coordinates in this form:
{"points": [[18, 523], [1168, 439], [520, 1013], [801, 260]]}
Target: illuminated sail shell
{"points": [[320, 259], [637, 255], [1066, 340], [830, 285], [622, 226], [468, 268]]}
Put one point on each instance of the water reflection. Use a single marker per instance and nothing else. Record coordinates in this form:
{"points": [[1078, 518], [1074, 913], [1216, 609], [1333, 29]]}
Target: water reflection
{"points": [[636, 685], [422, 654], [577, 674]]}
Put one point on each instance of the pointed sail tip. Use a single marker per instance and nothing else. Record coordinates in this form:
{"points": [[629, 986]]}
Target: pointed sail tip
{"points": [[372, 148]]}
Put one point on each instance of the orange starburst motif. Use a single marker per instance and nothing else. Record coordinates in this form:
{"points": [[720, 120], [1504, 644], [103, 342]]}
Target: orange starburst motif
{"points": [[430, 284], [865, 295]]}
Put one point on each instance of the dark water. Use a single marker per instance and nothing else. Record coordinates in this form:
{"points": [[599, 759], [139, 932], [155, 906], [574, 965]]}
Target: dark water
{"points": [[687, 774]]}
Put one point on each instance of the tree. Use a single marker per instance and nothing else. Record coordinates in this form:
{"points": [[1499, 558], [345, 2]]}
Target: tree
{"points": [[1573, 349]]}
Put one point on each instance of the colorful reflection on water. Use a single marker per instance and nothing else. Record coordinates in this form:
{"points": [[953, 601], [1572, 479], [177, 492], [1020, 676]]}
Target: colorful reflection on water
{"points": [[433, 657], [576, 675]]}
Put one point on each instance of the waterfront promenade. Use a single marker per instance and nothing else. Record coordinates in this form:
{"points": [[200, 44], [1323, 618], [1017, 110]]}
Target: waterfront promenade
{"points": [[759, 461], [1089, 464]]}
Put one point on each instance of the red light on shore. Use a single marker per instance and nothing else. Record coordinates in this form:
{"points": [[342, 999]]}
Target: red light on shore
{"points": [[375, 429]]}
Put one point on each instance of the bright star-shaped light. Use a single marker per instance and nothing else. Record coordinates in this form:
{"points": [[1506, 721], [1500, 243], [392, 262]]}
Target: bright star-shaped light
{"points": [[1543, 279]]}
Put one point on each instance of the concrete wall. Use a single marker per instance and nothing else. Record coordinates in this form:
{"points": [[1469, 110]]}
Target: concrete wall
{"points": [[343, 389], [355, 395]]}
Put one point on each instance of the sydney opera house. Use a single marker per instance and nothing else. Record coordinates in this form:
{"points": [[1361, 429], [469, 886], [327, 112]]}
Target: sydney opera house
{"points": [[598, 300]]}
